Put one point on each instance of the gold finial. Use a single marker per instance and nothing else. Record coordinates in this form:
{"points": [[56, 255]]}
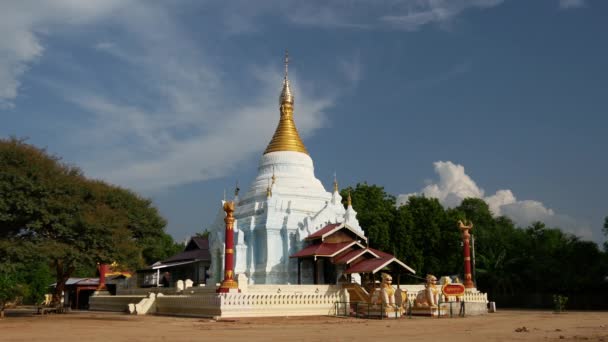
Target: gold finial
{"points": [[274, 178], [349, 201], [268, 190], [286, 136], [286, 95], [335, 183]]}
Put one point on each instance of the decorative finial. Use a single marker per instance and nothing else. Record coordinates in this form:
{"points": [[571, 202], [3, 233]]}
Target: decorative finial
{"points": [[349, 201], [268, 190], [335, 183], [286, 96], [274, 178], [286, 136], [286, 63]]}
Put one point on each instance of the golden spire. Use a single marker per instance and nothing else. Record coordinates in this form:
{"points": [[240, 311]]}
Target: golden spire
{"points": [[349, 201], [286, 137], [335, 183]]}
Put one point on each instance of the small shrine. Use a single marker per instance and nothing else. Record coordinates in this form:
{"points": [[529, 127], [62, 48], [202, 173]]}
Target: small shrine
{"points": [[337, 252]]}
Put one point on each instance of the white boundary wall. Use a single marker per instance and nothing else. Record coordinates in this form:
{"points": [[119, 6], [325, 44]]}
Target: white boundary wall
{"points": [[253, 301]]}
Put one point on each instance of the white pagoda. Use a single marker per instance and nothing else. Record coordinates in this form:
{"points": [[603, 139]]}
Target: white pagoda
{"points": [[285, 204]]}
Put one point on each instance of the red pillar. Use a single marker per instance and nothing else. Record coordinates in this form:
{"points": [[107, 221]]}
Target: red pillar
{"points": [[229, 282], [102, 268], [466, 238]]}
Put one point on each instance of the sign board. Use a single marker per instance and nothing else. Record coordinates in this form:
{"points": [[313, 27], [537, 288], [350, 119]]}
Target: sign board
{"points": [[453, 290]]}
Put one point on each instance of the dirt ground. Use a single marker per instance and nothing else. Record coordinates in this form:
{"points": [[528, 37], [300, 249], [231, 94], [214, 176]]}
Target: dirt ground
{"points": [[505, 325]]}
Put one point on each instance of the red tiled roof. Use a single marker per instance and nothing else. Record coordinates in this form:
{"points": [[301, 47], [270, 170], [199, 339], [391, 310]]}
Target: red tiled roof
{"points": [[319, 233], [324, 249], [349, 256], [376, 264], [332, 228], [381, 253]]}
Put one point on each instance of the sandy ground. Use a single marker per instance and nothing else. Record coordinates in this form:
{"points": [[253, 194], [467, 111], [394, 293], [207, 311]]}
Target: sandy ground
{"points": [[500, 326]]}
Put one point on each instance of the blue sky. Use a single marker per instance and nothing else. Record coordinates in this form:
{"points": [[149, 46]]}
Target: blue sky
{"points": [[502, 100]]}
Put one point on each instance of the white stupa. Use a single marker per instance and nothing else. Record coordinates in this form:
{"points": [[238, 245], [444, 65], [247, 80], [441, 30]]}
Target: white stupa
{"points": [[284, 204]]}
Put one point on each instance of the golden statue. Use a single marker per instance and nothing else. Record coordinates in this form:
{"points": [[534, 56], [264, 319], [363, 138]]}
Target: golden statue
{"points": [[463, 225], [429, 297], [387, 290], [229, 207]]}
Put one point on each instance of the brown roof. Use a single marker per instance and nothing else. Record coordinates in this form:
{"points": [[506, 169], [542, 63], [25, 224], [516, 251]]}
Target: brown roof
{"points": [[348, 257], [197, 249], [331, 229], [376, 264], [319, 233], [325, 249]]}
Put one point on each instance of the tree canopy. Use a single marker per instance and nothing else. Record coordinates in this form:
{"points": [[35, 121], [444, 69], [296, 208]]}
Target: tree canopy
{"points": [[51, 213], [510, 260]]}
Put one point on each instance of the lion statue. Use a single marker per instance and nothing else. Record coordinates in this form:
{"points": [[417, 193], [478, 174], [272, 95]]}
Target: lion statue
{"points": [[385, 294], [429, 297], [387, 290]]}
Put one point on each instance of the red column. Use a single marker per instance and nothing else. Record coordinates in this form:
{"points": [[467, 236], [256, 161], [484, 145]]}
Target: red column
{"points": [[102, 268], [466, 238], [229, 282]]}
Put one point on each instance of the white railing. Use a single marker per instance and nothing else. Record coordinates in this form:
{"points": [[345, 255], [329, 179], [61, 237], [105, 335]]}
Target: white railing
{"points": [[318, 300]]}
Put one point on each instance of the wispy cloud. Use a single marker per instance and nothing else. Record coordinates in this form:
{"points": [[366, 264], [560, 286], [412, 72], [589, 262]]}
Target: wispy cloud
{"points": [[454, 185], [169, 121], [571, 4], [194, 126], [352, 68], [21, 24], [416, 14], [410, 15]]}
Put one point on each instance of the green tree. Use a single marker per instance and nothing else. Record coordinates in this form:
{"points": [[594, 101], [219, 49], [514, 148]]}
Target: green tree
{"points": [[605, 230], [429, 219], [72, 221], [376, 210], [9, 290]]}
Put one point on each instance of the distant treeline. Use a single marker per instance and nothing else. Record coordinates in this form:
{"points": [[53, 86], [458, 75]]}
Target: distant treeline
{"points": [[516, 266]]}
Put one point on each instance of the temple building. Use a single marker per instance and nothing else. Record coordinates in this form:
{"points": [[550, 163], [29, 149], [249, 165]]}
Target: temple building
{"points": [[284, 205], [285, 229]]}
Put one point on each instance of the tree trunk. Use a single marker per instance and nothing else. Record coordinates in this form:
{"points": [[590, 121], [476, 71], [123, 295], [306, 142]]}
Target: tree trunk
{"points": [[62, 275], [2, 311]]}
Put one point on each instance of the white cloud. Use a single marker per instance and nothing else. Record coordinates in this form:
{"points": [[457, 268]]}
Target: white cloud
{"points": [[454, 185], [352, 68], [195, 125], [416, 14], [23, 22], [410, 15], [570, 4]]}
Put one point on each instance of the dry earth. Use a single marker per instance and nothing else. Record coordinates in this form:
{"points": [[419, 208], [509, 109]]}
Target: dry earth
{"points": [[504, 325]]}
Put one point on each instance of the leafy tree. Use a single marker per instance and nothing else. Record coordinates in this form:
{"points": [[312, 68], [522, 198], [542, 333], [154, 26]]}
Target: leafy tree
{"points": [[9, 290], [72, 221], [429, 218], [605, 230], [376, 210]]}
